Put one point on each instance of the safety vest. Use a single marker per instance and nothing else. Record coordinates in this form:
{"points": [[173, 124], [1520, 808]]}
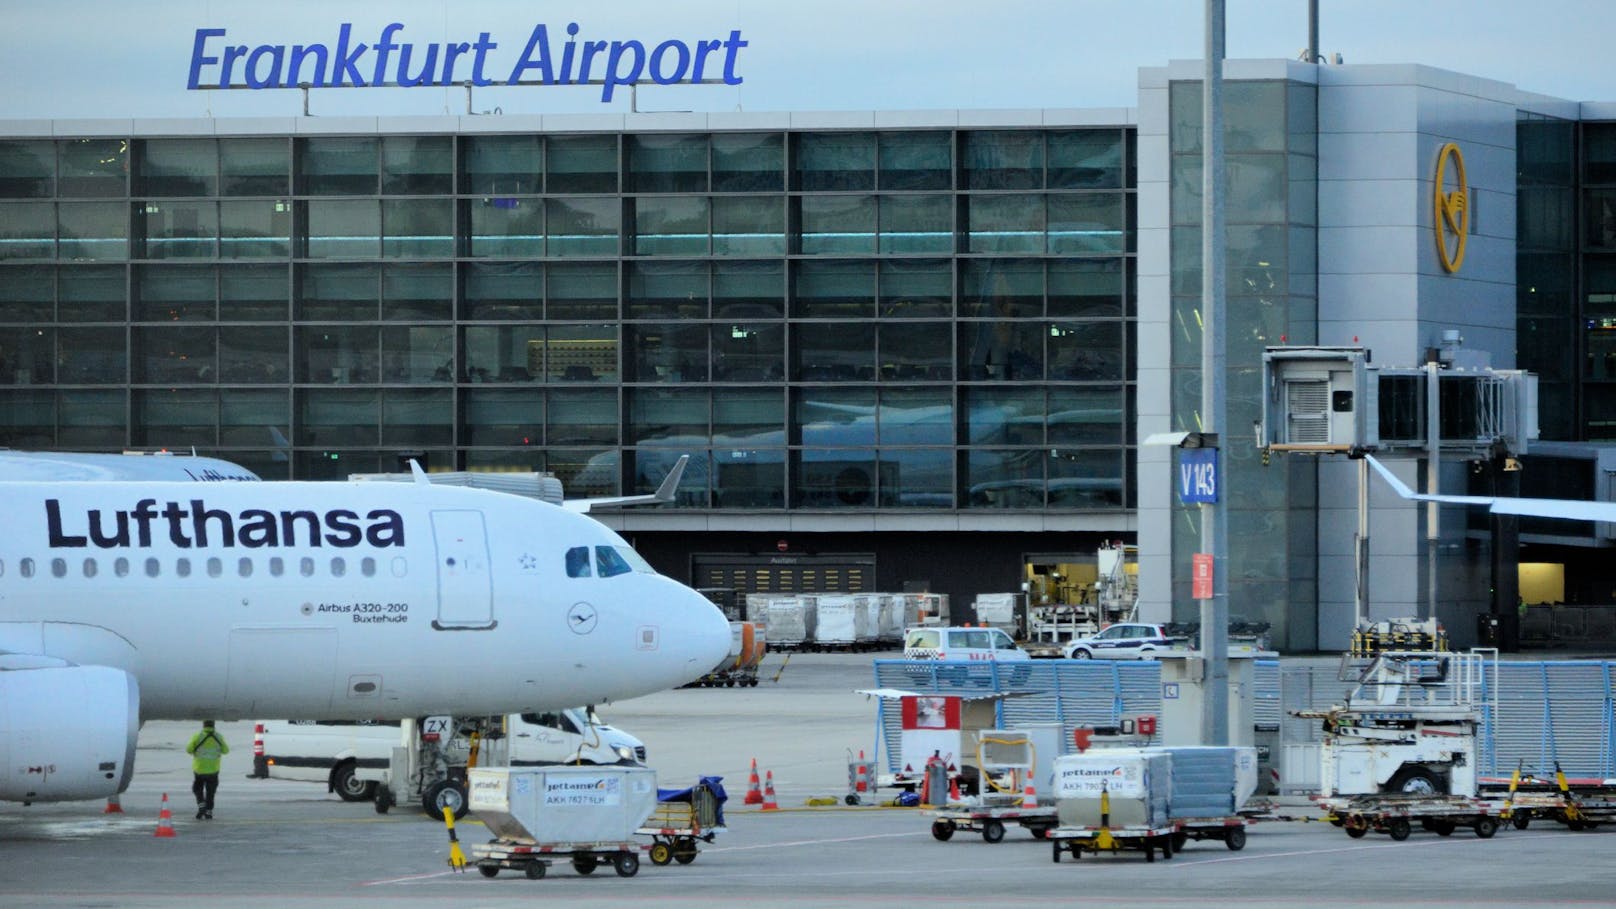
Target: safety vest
{"points": [[205, 749]]}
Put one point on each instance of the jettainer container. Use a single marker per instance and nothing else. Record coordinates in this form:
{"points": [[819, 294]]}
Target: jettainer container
{"points": [[563, 805]]}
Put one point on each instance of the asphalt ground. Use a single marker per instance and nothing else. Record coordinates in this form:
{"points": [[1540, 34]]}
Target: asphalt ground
{"points": [[277, 843]]}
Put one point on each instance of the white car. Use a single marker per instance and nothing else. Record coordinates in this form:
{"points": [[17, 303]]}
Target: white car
{"points": [[1122, 641]]}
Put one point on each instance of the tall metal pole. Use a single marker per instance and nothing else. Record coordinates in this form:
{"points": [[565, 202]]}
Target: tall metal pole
{"points": [[1360, 612], [1433, 473], [1214, 519], [1312, 31]]}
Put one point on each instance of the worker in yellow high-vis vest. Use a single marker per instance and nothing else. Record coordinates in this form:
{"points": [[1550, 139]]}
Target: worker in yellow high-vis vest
{"points": [[205, 749]]}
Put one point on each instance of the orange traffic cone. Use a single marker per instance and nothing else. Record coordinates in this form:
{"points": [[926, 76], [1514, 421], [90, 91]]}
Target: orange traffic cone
{"points": [[1030, 800], [165, 820], [113, 807], [953, 789], [769, 804], [754, 795]]}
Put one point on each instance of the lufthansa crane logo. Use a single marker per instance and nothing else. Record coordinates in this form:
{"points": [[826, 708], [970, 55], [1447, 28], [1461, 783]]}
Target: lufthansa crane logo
{"points": [[1452, 212]]}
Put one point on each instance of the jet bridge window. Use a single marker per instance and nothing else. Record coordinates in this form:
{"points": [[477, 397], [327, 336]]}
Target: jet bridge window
{"points": [[610, 563], [578, 562]]}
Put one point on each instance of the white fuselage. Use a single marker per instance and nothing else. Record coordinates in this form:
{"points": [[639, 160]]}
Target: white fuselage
{"points": [[340, 600]]}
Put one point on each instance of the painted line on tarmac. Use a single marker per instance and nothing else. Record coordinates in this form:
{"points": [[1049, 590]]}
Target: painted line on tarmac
{"points": [[1365, 847], [408, 879], [820, 842]]}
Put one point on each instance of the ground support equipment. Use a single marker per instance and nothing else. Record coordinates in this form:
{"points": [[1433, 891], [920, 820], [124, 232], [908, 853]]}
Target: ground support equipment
{"points": [[1579, 804], [675, 828], [1397, 815], [534, 859], [1231, 831], [1078, 840], [990, 821]]}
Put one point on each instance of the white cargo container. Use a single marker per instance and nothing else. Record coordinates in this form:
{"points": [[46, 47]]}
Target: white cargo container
{"points": [[563, 805], [1136, 784], [998, 610], [791, 621], [842, 621]]}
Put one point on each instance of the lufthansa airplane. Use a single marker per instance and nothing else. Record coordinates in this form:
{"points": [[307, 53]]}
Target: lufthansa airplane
{"points": [[123, 601]]}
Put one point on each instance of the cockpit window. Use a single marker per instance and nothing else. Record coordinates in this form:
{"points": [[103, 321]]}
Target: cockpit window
{"points": [[609, 562], [578, 562], [636, 560]]}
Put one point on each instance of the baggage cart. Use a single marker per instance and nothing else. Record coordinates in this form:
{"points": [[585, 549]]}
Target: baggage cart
{"points": [[990, 821], [682, 818], [587, 815], [1103, 838], [1397, 814]]}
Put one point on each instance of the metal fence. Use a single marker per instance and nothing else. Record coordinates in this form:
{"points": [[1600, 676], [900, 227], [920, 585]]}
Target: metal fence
{"points": [[1540, 714]]}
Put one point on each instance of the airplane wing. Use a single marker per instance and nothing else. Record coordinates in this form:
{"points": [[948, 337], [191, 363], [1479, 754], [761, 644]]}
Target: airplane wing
{"points": [[664, 493], [1568, 509]]}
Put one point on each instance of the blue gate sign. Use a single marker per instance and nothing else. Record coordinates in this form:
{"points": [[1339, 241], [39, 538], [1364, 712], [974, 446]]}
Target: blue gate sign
{"points": [[1197, 475]]}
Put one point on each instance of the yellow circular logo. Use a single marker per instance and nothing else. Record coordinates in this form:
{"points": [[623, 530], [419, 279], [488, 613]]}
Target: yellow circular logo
{"points": [[1452, 208]]}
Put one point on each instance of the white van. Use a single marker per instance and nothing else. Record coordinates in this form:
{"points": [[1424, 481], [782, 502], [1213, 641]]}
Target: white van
{"points": [[334, 751], [961, 643]]}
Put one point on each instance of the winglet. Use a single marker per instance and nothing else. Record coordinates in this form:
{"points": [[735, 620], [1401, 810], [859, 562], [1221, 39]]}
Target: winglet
{"points": [[670, 483], [418, 473], [1385, 474]]}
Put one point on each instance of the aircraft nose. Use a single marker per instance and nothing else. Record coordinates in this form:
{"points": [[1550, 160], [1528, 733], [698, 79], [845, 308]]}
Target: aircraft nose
{"points": [[702, 633]]}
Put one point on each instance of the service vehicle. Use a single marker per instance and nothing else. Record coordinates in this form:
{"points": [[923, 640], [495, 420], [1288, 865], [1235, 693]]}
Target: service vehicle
{"points": [[352, 758], [1122, 641], [961, 643]]}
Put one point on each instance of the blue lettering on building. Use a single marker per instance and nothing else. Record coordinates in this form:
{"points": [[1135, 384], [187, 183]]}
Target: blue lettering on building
{"points": [[388, 59]]}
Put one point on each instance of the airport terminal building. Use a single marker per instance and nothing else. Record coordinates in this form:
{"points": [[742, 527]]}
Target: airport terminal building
{"points": [[904, 350]]}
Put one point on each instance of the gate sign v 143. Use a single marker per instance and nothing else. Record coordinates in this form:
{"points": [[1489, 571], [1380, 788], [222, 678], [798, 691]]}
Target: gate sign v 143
{"points": [[1198, 475]]}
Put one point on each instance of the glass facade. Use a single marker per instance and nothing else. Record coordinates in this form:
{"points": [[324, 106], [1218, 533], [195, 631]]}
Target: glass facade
{"points": [[1596, 375], [1271, 207], [871, 319], [1546, 335]]}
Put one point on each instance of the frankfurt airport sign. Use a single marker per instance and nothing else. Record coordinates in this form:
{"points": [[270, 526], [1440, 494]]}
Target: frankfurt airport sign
{"points": [[219, 61]]}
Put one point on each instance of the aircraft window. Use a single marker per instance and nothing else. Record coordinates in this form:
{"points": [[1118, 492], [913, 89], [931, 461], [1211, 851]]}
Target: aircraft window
{"points": [[367, 567], [578, 562], [305, 567], [182, 567], [89, 568], [2, 568], [244, 568], [338, 567], [26, 567], [609, 562], [153, 567], [276, 567], [58, 568], [400, 567], [636, 560], [215, 567], [120, 567]]}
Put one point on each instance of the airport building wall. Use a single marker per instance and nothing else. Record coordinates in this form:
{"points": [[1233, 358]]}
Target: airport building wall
{"points": [[929, 338]]}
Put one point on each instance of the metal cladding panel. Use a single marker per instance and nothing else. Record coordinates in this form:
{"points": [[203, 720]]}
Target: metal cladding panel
{"points": [[1546, 712], [1267, 708]]}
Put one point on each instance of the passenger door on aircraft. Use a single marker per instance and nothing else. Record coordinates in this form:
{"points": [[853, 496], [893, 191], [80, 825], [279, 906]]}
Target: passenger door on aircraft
{"points": [[465, 588]]}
